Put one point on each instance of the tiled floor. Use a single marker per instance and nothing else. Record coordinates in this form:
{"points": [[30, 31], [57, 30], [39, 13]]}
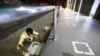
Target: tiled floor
{"points": [[76, 34]]}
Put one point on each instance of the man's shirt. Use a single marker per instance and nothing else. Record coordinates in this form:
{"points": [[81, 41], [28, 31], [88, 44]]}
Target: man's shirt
{"points": [[25, 36]]}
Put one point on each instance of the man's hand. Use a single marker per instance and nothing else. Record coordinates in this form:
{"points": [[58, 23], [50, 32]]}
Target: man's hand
{"points": [[23, 48], [26, 51]]}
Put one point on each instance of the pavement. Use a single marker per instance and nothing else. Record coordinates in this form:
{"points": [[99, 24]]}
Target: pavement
{"points": [[76, 35]]}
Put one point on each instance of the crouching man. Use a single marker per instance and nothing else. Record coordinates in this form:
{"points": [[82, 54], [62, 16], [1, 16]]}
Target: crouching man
{"points": [[26, 38]]}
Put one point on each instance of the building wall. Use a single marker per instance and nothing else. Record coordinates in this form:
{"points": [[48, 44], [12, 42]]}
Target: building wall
{"points": [[88, 7]]}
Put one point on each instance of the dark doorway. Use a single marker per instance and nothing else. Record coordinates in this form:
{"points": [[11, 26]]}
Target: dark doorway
{"points": [[64, 3], [73, 3], [86, 7], [77, 5], [97, 13]]}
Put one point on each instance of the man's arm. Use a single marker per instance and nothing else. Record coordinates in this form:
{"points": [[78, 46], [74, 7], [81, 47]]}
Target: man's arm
{"points": [[39, 38], [22, 48], [36, 36], [20, 43]]}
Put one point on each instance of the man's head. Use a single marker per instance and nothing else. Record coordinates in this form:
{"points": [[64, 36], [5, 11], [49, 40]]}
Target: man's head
{"points": [[29, 31]]}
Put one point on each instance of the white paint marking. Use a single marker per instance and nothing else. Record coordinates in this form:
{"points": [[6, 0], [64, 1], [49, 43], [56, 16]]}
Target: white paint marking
{"points": [[87, 45], [90, 52], [71, 24], [82, 43], [76, 51], [82, 52], [73, 44]]}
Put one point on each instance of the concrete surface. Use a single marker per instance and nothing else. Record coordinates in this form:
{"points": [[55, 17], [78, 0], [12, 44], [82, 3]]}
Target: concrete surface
{"points": [[76, 35]]}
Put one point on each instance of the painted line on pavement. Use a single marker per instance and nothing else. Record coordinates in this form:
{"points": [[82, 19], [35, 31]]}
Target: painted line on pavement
{"points": [[82, 52], [71, 24]]}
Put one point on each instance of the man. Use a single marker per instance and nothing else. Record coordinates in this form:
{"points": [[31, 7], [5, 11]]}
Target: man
{"points": [[28, 34]]}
